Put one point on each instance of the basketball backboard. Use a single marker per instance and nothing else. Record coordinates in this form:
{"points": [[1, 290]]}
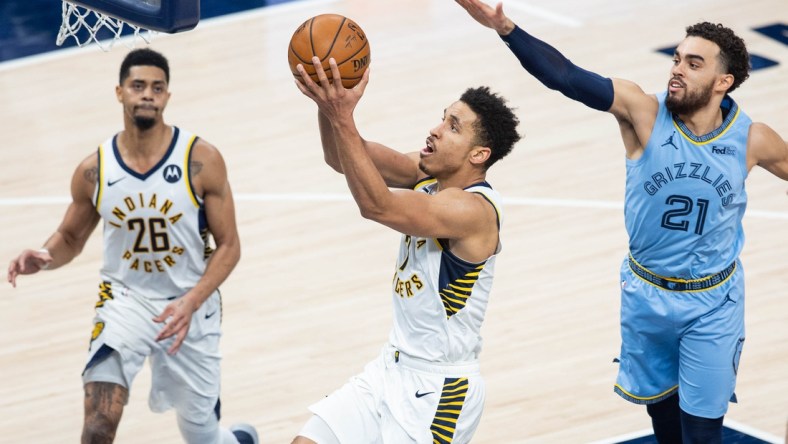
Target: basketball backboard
{"points": [[168, 16]]}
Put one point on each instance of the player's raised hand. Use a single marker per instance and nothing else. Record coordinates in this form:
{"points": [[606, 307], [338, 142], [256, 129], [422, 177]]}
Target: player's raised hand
{"points": [[28, 262], [331, 97], [488, 16], [178, 318]]}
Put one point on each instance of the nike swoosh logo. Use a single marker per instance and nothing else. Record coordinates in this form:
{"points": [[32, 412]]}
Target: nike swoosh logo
{"points": [[208, 315], [419, 395], [113, 182]]}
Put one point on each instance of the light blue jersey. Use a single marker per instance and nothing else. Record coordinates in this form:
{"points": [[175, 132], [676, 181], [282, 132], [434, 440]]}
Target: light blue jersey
{"points": [[682, 286], [685, 196]]}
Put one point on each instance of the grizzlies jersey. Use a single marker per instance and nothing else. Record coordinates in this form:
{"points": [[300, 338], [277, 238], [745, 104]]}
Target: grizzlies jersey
{"points": [[439, 299], [685, 196], [155, 233]]}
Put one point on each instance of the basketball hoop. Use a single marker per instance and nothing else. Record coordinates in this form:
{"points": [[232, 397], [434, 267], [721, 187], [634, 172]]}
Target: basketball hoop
{"points": [[86, 25]]}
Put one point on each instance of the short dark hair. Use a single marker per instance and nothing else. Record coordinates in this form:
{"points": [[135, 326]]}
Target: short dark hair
{"points": [[496, 124], [144, 57], [733, 52]]}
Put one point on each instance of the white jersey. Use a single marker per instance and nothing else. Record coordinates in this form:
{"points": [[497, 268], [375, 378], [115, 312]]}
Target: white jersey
{"points": [[155, 231], [439, 299]]}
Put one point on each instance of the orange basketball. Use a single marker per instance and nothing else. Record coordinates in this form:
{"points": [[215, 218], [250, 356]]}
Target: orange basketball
{"points": [[326, 36]]}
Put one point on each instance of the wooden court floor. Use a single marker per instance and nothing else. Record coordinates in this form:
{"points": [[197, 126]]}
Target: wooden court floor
{"points": [[309, 303]]}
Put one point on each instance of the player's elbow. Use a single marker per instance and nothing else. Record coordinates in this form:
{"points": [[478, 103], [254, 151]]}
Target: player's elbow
{"points": [[372, 211], [368, 213], [380, 205], [333, 162], [234, 252], [230, 249]]}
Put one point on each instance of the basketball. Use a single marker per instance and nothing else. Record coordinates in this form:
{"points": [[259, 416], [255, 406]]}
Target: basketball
{"points": [[326, 36]]}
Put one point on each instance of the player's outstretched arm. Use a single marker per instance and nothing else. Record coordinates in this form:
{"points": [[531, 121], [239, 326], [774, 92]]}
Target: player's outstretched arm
{"points": [[543, 61], [70, 237], [634, 109], [209, 176]]}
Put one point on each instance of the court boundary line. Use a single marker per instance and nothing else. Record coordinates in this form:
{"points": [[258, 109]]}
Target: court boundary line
{"points": [[729, 423], [343, 197], [768, 437]]}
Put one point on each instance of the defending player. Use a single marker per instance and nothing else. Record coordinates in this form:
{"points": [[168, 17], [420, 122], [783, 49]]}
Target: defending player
{"points": [[161, 192], [425, 386], [688, 152]]}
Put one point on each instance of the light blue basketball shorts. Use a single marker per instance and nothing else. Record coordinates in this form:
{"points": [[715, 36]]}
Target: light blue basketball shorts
{"points": [[688, 342]]}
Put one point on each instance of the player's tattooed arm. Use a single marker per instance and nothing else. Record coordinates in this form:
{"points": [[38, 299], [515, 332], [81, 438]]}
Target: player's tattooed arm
{"points": [[70, 237], [81, 217], [195, 167], [91, 174]]}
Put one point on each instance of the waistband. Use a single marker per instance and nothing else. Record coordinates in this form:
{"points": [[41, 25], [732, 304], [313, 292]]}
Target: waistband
{"points": [[676, 284], [451, 369]]}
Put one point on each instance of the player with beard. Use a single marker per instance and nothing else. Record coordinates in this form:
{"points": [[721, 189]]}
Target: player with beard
{"points": [[162, 192], [688, 152]]}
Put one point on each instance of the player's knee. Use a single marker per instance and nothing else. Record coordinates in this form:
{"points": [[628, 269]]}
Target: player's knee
{"points": [[99, 428]]}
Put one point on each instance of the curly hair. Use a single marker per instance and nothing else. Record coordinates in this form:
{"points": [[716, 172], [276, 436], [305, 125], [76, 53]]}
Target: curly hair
{"points": [[496, 124], [733, 52], [144, 57]]}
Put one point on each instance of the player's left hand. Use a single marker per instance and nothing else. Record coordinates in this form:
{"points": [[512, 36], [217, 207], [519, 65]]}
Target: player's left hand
{"points": [[178, 317], [333, 99], [488, 16], [28, 262]]}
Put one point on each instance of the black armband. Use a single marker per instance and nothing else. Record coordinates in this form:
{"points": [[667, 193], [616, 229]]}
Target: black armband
{"points": [[556, 72]]}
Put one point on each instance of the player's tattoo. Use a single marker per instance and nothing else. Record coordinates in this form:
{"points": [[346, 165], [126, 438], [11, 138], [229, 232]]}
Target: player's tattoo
{"points": [[104, 403], [91, 174], [105, 396], [195, 168]]}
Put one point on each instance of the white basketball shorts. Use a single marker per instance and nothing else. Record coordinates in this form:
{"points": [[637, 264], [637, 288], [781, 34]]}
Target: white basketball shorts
{"points": [[188, 381], [399, 399]]}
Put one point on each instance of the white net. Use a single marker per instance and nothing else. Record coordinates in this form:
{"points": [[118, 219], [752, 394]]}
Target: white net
{"points": [[86, 25]]}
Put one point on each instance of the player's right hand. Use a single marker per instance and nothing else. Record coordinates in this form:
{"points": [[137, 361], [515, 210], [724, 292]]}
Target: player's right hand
{"points": [[332, 99], [28, 262]]}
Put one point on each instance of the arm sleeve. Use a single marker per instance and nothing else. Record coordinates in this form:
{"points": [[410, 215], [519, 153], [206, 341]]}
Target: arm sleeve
{"points": [[556, 72]]}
